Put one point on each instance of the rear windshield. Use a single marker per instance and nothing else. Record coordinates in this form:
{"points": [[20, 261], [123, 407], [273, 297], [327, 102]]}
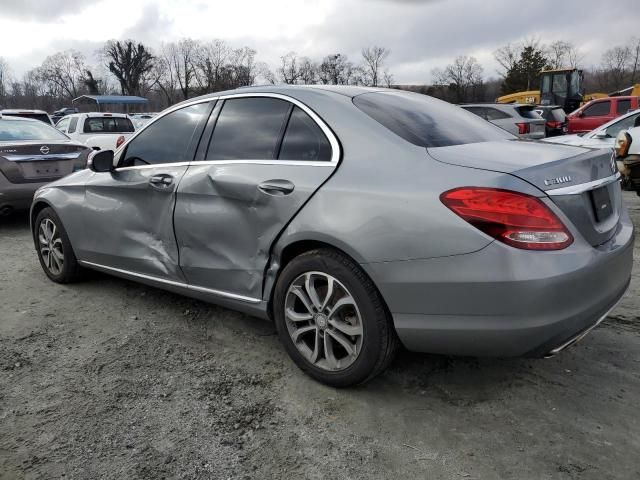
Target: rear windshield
{"points": [[557, 115], [108, 125], [426, 121], [43, 117], [11, 130], [528, 112]]}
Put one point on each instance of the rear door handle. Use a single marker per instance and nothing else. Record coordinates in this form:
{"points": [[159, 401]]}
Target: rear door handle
{"points": [[161, 181], [276, 187]]}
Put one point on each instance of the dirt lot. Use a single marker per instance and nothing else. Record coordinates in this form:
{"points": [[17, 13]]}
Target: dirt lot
{"points": [[110, 379]]}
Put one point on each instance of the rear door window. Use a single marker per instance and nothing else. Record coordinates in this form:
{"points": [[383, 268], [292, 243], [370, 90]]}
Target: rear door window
{"points": [[623, 106], [249, 129], [598, 109], [73, 124], [304, 139], [425, 121]]}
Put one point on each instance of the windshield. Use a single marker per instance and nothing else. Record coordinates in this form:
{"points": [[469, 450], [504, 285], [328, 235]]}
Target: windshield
{"points": [[12, 130], [426, 121], [560, 83]]}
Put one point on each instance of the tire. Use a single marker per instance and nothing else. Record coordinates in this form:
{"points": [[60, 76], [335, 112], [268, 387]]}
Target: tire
{"points": [[341, 339], [61, 266]]}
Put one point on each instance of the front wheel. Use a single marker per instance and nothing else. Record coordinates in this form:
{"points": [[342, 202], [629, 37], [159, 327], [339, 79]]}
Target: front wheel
{"points": [[54, 249], [332, 320]]}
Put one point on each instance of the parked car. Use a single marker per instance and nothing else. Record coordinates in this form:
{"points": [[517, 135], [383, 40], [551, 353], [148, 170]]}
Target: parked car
{"points": [[555, 119], [58, 114], [31, 155], [141, 119], [40, 115], [357, 219], [602, 137], [100, 131], [598, 112], [521, 120], [627, 152]]}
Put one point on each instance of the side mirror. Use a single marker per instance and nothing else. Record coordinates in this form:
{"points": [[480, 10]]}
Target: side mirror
{"points": [[601, 134], [100, 161]]}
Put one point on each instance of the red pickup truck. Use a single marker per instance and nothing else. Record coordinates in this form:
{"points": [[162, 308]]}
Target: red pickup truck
{"points": [[598, 112]]}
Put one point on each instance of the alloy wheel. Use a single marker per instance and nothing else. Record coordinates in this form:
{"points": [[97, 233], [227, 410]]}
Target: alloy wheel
{"points": [[323, 321], [51, 246]]}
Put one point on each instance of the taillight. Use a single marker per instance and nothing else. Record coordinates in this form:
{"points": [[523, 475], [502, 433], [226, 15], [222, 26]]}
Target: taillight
{"points": [[120, 141], [516, 219], [523, 128], [554, 124]]}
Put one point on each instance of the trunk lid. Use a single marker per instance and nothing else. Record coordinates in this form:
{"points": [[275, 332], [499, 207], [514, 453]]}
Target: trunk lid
{"points": [[25, 162], [578, 180]]}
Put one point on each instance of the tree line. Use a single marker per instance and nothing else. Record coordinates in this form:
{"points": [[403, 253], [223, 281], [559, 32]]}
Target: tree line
{"points": [[520, 65], [186, 68], [177, 71]]}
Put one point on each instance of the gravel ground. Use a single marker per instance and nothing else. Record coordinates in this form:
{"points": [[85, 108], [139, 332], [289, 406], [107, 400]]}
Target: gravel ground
{"points": [[111, 379]]}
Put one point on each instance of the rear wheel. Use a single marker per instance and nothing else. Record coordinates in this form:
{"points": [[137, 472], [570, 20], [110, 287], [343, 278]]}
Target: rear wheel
{"points": [[54, 249], [331, 319]]}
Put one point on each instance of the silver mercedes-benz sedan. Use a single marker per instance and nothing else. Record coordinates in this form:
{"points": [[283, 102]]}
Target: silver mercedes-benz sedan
{"points": [[357, 219]]}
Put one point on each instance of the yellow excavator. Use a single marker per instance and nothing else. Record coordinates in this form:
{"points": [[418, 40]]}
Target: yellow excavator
{"points": [[562, 87]]}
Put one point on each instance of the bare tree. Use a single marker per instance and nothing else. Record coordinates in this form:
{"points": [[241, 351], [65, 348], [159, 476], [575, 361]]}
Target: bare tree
{"points": [[129, 62], [210, 61], [335, 69], [182, 57], [373, 58], [289, 70], [387, 78], [634, 48], [615, 62], [508, 56], [64, 73], [461, 78], [5, 80], [561, 54]]}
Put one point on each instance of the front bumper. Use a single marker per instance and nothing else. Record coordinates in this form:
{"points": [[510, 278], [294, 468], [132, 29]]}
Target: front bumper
{"points": [[502, 301]]}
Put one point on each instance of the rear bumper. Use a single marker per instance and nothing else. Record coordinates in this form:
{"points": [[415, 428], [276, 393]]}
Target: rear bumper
{"points": [[17, 196], [502, 301]]}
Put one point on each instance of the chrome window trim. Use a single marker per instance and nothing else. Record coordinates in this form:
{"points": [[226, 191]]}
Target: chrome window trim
{"points": [[196, 288], [583, 187], [333, 141]]}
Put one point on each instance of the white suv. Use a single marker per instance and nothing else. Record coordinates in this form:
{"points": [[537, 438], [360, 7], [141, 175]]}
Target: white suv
{"points": [[100, 131]]}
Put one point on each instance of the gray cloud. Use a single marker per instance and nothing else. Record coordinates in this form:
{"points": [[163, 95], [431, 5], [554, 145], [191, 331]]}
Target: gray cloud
{"points": [[43, 10]]}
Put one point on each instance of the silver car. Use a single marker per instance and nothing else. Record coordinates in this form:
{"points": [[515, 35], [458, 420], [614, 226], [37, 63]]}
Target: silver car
{"points": [[358, 220], [519, 119]]}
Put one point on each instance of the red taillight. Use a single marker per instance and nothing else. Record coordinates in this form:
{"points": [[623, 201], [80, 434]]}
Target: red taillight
{"points": [[516, 219], [120, 141], [554, 124], [523, 128]]}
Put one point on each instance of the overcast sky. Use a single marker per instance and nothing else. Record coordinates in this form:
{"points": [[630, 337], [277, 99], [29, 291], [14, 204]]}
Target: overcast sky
{"points": [[422, 34]]}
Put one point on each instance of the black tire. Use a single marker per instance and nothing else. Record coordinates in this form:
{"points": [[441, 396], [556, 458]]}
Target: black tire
{"points": [[70, 270], [379, 340]]}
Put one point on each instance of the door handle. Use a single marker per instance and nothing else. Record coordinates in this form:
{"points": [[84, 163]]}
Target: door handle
{"points": [[161, 181], [276, 187]]}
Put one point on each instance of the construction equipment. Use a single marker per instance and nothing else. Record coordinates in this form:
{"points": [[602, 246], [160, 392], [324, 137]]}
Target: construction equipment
{"points": [[557, 87]]}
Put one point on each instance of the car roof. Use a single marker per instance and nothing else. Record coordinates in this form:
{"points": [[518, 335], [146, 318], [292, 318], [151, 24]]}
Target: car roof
{"points": [[98, 115], [22, 110]]}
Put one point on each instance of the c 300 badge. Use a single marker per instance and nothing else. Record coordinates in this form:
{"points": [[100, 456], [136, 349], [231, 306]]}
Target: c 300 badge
{"points": [[557, 180]]}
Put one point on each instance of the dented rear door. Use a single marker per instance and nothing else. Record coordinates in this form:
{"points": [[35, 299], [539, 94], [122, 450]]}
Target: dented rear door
{"points": [[266, 158]]}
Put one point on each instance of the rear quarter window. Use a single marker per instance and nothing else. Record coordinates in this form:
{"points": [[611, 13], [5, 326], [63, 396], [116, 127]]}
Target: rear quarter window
{"points": [[425, 121]]}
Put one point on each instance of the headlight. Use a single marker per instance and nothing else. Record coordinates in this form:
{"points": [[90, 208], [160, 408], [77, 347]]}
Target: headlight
{"points": [[623, 142]]}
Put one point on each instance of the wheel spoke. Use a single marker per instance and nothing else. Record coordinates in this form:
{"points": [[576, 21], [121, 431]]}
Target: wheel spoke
{"points": [[297, 317], [342, 340], [57, 254], [329, 293], [346, 328], [316, 348], [329, 356], [310, 286], [298, 292], [343, 302], [295, 336]]}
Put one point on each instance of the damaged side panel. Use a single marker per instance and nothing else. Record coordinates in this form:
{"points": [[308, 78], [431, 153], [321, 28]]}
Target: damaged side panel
{"points": [[227, 218], [131, 222]]}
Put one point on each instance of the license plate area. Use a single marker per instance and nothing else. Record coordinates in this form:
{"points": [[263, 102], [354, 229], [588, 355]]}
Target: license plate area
{"points": [[31, 170], [602, 207]]}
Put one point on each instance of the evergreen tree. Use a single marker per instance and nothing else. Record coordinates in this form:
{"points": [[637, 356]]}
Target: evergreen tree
{"points": [[525, 73]]}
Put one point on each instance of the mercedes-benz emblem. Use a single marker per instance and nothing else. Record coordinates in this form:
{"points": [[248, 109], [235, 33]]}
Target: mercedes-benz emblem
{"points": [[44, 149]]}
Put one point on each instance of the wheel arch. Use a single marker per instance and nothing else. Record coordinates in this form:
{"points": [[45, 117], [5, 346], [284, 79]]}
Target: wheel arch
{"points": [[284, 253], [36, 208]]}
